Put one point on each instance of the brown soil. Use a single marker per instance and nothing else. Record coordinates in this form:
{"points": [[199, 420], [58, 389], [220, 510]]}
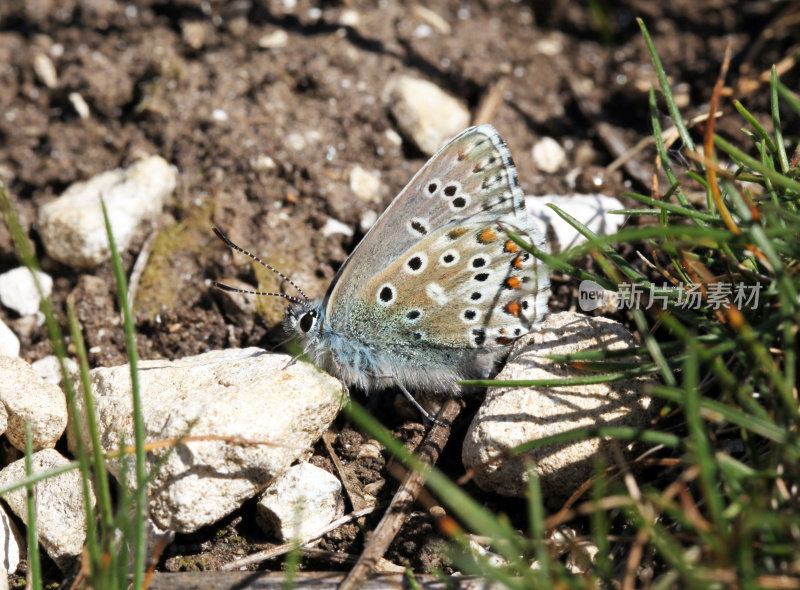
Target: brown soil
{"points": [[153, 74]]}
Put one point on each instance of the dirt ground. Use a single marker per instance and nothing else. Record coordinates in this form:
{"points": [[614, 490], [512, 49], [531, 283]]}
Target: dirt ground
{"points": [[300, 86]]}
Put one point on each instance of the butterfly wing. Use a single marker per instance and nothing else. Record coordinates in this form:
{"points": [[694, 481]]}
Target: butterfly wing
{"points": [[464, 286], [472, 175], [436, 289]]}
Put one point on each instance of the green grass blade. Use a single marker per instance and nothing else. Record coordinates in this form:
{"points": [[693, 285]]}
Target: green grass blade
{"points": [[34, 565], [746, 160], [139, 534], [536, 520], [664, 83], [790, 97], [757, 127], [701, 449], [98, 460], [776, 121]]}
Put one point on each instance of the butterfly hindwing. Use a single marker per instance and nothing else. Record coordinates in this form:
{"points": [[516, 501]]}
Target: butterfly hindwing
{"points": [[464, 286]]}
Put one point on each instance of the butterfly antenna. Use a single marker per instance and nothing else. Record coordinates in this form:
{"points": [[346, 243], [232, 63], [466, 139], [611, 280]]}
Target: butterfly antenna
{"points": [[227, 240], [225, 287]]}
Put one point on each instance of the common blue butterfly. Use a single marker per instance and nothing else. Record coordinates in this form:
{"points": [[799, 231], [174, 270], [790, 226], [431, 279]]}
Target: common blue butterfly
{"points": [[436, 291]]}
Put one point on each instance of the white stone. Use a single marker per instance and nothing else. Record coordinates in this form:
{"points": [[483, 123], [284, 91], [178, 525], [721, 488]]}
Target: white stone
{"points": [[28, 397], [349, 17], [274, 40], [366, 185], [264, 162], [18, 290], [548, 155], [368, 219], [9, 343], [300, 502], [393, 137], [219, 115], [79, 104], [511, 416], [296, 141], [72, 226], [45, 70], [424, 112], [334, 226], [49, 368], [60, 511], [423, 31], [3, 419], [243, 394], [194, 33], [592, 210], [12, 545]]}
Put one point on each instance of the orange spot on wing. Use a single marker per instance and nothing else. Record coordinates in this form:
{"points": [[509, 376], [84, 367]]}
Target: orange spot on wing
{"points": [[456, 233], [513, 283], [487, 235], [503, 340], [510, 246], [517, 262], [513, 308]]}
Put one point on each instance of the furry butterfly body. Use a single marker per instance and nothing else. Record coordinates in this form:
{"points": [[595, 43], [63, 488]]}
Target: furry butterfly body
{"points": [[436, 291]]}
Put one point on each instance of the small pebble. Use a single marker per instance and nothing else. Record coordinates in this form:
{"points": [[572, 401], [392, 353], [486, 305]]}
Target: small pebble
{"points": [[425, 114], [79, 104], [300, 502], [368, 219], [12, 544], [18, 290], [72, 227], [29, 398], [194, 33], [60, 509], [349, 18], [9, 343], [548, 155], [264, 163], [274, 40], [296, 141], [333, 227], [45, 70], [49, 369], [366, 185]]}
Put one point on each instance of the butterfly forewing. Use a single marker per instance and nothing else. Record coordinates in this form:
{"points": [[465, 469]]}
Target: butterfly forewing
{"points": [[471, 176]]}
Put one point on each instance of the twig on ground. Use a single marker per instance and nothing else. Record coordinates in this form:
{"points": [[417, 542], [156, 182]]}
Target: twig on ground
{"points": [[395, 514]]}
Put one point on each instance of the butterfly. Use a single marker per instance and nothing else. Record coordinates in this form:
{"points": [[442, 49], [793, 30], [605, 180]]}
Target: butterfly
{"points": [[436, 291]]}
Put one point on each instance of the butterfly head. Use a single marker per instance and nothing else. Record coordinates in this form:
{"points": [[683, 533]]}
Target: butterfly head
{"points": [[303, 320], [303, 315]]}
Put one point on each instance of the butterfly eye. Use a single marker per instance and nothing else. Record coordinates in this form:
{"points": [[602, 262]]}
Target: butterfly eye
{"points": [[308, 320]]}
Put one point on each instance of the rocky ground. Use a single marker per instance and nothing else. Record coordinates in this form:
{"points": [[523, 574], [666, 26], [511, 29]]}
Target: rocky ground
{"points": [[281, 122]]}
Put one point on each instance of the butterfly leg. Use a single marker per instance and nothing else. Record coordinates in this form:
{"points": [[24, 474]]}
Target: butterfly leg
{"points": [[425, 414], [291, 361]]}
